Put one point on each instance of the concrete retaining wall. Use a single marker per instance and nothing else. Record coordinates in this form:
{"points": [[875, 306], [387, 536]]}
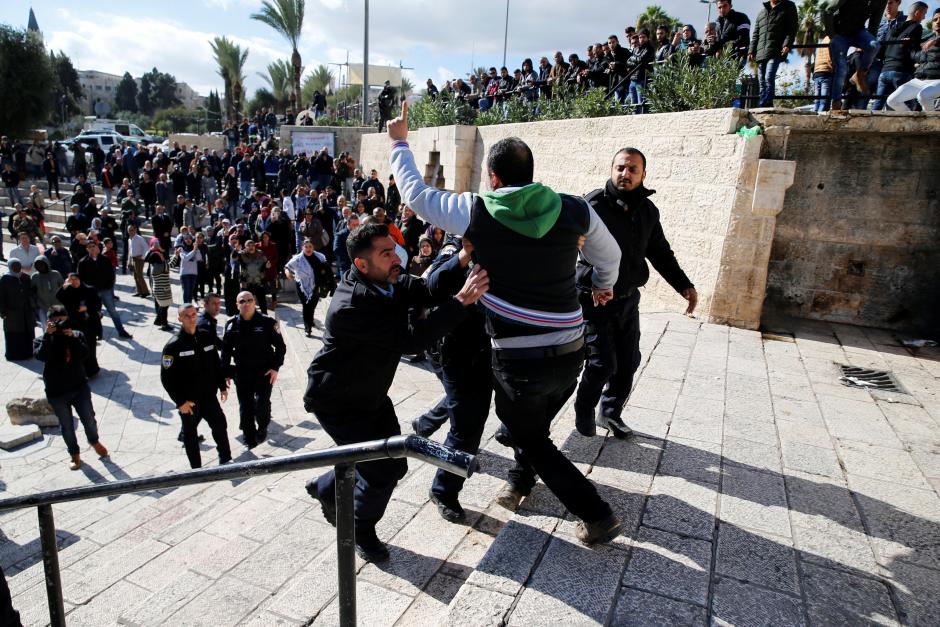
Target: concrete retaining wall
{"points": [[858, 239], [348, 138]]}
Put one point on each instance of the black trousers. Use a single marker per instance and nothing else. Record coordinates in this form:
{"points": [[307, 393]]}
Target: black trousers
{"points": [[254, 404], [468, 385], [207, 409], [231, 287], [375, 480], [261, 297], [613, 340], [529, 393], [8, 616], [309, 307]]}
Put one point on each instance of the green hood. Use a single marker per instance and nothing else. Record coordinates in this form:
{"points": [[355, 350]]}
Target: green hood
{"points": [[531, 210]]}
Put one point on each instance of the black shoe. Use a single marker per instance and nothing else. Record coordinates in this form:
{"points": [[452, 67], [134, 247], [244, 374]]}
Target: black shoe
{"points": [[584, 421], [262, 435], [616, 426], [307, 331], [329, 509], [422, 427], [417, 359], [125, 335], [449, 508], [503, 436], [166, 327], [225, 460], [369, 547]]}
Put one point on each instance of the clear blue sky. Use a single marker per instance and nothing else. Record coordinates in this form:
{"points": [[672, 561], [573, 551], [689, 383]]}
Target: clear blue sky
{"points": [[439, 38]]}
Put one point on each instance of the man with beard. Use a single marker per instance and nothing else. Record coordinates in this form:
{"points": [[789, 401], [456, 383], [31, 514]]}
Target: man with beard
{"points": [[369, 327], [613, 331]]}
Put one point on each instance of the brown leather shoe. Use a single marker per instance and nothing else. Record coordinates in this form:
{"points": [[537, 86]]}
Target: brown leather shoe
{"points": [[836, 105], [860, 80], [603, 530], [100, 449], [76, 462], [509, 498]]}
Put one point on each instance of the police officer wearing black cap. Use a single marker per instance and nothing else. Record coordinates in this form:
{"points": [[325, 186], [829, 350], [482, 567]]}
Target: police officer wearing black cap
{"points": [[253, 341], [192, 374], [613, 331]]}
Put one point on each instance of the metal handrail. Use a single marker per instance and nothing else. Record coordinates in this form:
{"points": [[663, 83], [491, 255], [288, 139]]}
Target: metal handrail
{"points": [[343, 458]]}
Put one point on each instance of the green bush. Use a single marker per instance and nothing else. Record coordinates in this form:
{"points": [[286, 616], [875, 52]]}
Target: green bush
{"points": [[445, 110], [675, 86]]}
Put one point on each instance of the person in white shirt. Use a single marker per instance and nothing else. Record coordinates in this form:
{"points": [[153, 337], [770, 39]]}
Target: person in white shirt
{"points": [[26, 253], [137, 250]]}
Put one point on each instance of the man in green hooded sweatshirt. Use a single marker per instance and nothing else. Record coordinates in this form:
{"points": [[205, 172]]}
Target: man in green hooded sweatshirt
{"points": [[527, 237]]}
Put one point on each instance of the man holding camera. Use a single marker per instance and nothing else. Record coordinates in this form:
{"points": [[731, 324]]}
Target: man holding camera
{"points": [[63, 350], [191, 373]]}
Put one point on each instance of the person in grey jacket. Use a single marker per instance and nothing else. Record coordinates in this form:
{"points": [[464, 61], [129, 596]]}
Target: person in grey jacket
{"points": [[771, 42], [45, 283], [190, 256]]}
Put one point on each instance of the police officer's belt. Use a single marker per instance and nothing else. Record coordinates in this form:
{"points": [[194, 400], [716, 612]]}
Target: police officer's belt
{"points": [[540, 352]]}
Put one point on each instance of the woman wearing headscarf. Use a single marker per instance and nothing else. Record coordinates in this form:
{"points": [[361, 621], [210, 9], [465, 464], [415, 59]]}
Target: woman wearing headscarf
{"points": [[425, 257], [305, 267], [16, 309], [159, 272], [269, 250]]}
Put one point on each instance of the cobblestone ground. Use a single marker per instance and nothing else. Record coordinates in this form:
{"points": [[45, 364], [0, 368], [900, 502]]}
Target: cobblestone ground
{"points": [[758, 491]]}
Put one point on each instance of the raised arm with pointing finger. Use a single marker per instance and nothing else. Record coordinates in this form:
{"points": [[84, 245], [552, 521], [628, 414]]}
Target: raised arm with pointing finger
{"points": [[534, 227]]}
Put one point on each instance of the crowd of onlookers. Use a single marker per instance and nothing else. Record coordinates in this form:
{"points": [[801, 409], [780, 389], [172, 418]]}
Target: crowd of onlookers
{"points": [[625, 68], [225, 222]]}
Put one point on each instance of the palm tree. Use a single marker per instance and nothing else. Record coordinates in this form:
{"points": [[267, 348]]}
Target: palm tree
{"points": [[406, 86], [287, 18], [279, 78], [319, 80], [810, 31], [653, 16], [231, 60]]}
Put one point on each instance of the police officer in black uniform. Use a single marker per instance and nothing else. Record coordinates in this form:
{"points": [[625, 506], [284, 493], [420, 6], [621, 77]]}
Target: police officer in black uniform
{"points": [[191, 374], [465, 356], [613, 331], [208, 319], [253, 341]]}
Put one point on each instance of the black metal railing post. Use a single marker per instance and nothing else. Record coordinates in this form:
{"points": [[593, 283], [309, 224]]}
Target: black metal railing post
{"points": [[346, 543], [50, 563]]}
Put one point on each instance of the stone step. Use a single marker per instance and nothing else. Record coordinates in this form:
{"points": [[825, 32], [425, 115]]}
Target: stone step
{"points": [[12, 436]]}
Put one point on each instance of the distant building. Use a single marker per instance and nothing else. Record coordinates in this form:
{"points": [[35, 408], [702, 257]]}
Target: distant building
{"points": [[32, 26], [102, 86]]}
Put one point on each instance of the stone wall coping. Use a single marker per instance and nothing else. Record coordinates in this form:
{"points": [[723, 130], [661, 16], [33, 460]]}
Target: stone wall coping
{"points": [[851, 121]]}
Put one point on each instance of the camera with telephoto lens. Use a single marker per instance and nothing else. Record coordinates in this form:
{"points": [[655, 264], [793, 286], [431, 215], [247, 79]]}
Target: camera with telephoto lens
{"points": [[61, 325]]}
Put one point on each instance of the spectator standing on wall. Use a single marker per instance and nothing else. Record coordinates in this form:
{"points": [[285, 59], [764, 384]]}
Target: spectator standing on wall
{"points": [[733, 29], [773, 38], [845, 22], [898, 65]]}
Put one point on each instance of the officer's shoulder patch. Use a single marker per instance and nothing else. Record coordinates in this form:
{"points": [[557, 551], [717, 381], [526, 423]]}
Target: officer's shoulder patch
{"points": [[167, 361]]}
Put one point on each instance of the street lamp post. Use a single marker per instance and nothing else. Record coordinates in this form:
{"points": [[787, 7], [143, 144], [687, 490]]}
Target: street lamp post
{"points": [[365, 70], [709, 3], [506, 34]]}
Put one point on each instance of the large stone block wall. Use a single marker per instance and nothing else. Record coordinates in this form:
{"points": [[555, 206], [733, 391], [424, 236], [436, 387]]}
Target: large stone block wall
{"points": [[703, 173], [858, 239]]}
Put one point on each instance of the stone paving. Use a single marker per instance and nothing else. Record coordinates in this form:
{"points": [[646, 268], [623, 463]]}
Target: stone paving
{"points": [[758, 491]]}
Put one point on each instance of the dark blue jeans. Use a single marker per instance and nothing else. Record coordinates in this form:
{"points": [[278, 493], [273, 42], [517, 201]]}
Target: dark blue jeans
{"points": [[529, 393], [188, 281], [839, 50], [612, 334], [107, 299], [375, 480], [468, 385], [80, 399], [888, 82], [767, 75], [822, 85]]}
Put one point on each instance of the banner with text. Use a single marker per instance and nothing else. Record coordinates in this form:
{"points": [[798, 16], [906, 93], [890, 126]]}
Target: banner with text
{"points": [[312, 142]]}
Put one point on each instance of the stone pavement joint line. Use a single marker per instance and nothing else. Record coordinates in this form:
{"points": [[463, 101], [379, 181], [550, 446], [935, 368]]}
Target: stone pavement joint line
{"points": [[758, 490]]}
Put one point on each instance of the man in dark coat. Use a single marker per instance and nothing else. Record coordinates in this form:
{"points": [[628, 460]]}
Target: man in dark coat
{"points": [[613, 331], [773, 38], [16, 309]]}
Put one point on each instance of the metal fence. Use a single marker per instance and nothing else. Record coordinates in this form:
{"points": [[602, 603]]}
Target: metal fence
{"points": [[343, 458]]}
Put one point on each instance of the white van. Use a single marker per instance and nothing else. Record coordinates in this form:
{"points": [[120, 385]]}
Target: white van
{"points": [[128, 131]]}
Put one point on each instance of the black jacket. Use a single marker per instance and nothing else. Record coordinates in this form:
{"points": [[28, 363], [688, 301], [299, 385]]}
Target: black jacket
{"points": [[255, 346], [900, 58], [774, 30], [64, 359], [633, 220], [847, 17], [641, 58], [366, 335], [97, 273], [190, 367], [734, 29], [928, 68]]}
